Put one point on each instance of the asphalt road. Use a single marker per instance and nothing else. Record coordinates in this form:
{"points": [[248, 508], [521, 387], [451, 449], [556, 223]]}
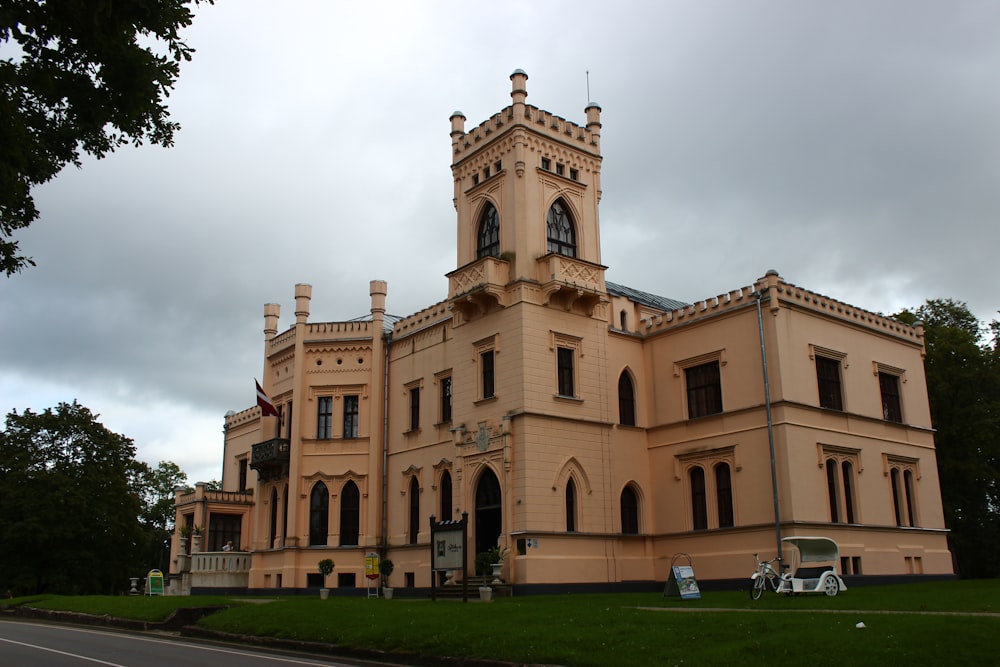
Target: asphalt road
{"points": [[27, 644]]}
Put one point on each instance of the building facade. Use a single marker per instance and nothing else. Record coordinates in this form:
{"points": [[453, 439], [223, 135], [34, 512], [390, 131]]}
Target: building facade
{"points": [[592, 429]]}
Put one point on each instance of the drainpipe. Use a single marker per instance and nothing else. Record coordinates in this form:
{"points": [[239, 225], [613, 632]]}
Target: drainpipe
{"points": [[770, 426], [383, 547]]}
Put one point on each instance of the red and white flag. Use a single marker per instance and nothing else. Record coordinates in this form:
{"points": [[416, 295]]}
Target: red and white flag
{"points": [[267, 408]]}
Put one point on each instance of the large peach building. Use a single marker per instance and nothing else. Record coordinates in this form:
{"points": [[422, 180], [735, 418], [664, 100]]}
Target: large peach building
{"points": [[593, 429]]}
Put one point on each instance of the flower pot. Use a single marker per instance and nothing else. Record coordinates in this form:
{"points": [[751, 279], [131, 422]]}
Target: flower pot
{"points": [[324, 593], [496, 572], [485, 593], [387, 592]]}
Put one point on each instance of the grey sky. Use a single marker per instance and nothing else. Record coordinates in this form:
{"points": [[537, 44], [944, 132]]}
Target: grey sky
{"points": [[853, 146]]}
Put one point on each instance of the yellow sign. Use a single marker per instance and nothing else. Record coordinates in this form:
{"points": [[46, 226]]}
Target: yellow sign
{"points": [[371, 566]]}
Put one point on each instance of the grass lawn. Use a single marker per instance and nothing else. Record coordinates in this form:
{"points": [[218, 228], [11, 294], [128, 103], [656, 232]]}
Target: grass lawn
{"points": [[641, 629]]}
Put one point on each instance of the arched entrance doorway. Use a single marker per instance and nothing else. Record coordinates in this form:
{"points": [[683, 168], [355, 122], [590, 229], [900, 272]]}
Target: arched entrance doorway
{"points": [[489, 518]]}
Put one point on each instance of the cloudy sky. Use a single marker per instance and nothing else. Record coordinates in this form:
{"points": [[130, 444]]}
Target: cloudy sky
{"points": [[853, 146]]}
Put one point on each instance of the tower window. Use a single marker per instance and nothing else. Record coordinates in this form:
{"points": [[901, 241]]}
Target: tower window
{"points": [[561, 232], [488, 239], [498, 166], [574, 174], [560, 168], [546, 164]]}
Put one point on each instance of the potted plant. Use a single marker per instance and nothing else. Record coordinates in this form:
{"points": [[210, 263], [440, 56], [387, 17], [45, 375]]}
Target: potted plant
{"points": [[196, 533], [385, 568], [496, 556], [325, 568]]}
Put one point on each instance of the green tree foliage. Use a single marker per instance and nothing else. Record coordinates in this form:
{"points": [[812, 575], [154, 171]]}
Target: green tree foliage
{"points": [[78, 513], [155, 489], [79, 76], [963, 382]]}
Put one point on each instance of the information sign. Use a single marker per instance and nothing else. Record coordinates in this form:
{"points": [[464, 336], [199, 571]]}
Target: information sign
{"points": [[154, 583], [371, 566]]}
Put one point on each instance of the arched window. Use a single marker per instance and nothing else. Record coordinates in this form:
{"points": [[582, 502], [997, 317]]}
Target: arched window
{"points": [[414, 510], [847, 471], [626, 400], [350, 514], [724, 495], [699, 506], [630, 511], [910, 497], [284, 515], [488, 237], [319, 515], [446, 510], [272, 532], [831, 489], [570, 506], [560, 230], [897, 496]]}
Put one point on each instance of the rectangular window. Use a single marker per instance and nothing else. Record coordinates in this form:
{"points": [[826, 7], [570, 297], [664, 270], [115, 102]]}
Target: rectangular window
{"points": [[564, 371], [546, 164], [350, 417], [243, 475], [446, 399], [704, 389], [828, 379], [414, 408], [498, 166], [889, 387], [486, 361], [324, 417], [560, 168], [574, 174]]}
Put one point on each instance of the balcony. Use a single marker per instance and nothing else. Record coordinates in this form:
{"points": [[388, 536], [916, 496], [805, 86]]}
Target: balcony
{"points": [[220, 569], [473, 288], [571, 282], [270, 459]]}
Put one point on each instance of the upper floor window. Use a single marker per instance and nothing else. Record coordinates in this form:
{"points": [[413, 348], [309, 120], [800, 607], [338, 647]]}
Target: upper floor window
{"points": [[828, 380], [486, 363], [445, 385], [350, 417], [560, 230], [626, 400], [888, 385], [324, 417], [564, 371], [488, 238], [414, 408], [704, 389]]}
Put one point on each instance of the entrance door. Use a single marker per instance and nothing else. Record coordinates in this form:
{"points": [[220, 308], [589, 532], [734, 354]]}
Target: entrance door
{"points": [[489, 519]]}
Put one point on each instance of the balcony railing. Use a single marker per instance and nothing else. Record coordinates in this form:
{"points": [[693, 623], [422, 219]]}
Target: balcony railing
{"points": [[270, 459], [220, 569]]}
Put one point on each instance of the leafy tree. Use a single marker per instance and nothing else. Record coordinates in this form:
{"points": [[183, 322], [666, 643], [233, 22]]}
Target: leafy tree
{"points": [[78, 513], [155, 489], [963, 382], [81, 76]]}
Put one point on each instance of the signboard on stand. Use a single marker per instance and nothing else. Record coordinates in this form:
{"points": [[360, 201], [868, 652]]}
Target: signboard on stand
{"points": [[372, 572], [448, 548], [154, 583], [681, 580]]}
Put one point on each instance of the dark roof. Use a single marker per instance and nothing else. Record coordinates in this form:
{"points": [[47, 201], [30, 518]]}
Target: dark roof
{"points": [[645, 298]]}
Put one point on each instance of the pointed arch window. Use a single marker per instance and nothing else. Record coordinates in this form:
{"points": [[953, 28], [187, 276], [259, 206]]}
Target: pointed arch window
{"points": [[488, 237], [350, 514], [272, 533], [560, 230], [414, 510], [446, 511], [630, 511], [319, 515], [626, 400], [724, 495], [570, 506], [699, 504]]}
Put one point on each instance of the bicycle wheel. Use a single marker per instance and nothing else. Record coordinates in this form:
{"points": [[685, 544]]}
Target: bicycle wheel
{"points": [[757, 587]]}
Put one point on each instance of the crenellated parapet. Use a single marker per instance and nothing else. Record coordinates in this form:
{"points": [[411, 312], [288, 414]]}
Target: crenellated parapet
{"points": [[777, 294], [422, 319]]}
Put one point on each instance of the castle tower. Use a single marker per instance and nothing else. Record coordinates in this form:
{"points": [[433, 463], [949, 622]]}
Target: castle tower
{"points": [[527, 188]]}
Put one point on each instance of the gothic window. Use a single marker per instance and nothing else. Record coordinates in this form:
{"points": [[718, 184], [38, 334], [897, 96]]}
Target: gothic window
{"points": [[570, 506], [488, 238], [630, 511], [724, 495], [350, 514], [840, 487], [446, 399], [272, 532], [414, 510], [626, 400], [319, 515], [699, 506], [560, 230], [446, 511]]}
